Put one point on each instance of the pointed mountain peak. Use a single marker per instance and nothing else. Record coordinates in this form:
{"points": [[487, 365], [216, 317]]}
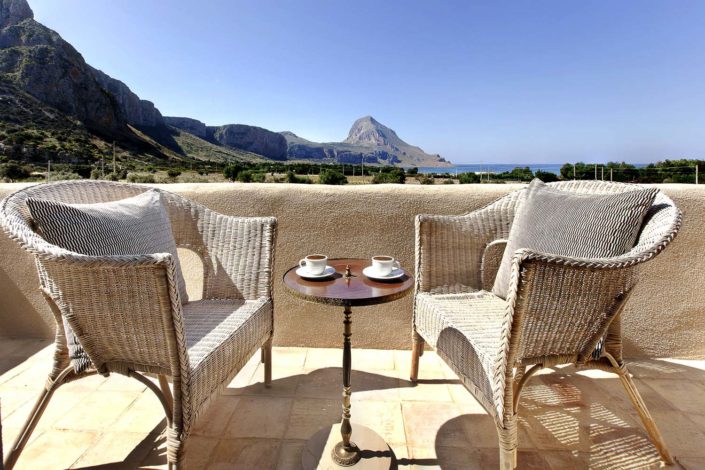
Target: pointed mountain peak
{"points": [[13, 12], [368, 131]]}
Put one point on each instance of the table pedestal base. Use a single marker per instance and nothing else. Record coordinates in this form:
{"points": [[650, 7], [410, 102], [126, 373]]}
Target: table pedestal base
{"points": [[374, 452]]}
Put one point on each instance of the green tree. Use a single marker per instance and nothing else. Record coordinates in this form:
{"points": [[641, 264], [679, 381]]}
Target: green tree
{"points": [[468, 178], [232, 170], [332, 177], [394, 176], [424, 179], [546, 176], [13, 171], [292, 178]]}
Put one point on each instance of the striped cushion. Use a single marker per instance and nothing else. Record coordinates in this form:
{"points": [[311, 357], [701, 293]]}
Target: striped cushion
{"points": [[132, 226], [573, 224]]}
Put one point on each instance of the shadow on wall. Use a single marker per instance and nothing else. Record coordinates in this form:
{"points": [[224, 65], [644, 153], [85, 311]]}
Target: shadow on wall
{"points": [[27, 325]]}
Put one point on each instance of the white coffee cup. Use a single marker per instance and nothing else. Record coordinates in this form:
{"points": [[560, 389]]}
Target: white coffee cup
{"points": [[383, 265], [314, 264]]}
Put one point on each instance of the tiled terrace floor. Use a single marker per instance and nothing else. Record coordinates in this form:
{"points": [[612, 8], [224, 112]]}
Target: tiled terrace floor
{"points": [[568, 419]]}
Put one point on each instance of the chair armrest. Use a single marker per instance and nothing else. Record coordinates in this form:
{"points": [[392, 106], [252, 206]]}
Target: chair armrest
{"points": [[449, 249], [491, 260], [560, 307], [124, 310]]}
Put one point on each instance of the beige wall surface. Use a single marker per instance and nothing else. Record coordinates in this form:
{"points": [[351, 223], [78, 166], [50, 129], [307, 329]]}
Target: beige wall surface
{"points": [[664, 318]]}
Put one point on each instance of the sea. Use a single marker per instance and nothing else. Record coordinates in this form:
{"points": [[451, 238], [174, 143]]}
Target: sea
{"points": [[498, 168]]}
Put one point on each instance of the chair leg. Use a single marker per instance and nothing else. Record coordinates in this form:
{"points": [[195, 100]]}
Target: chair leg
{"points": [[174, 449], [35, 415], [166, 391], [508, 446], [644, 414], [417, 344], [267, 359]]}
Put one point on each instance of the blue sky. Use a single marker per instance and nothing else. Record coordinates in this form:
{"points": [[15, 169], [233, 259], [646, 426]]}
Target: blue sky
{"points": [[494, 81]]}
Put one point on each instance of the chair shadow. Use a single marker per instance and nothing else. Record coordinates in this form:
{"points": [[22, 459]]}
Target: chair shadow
{"points": [[149, 453], [569, 420]]}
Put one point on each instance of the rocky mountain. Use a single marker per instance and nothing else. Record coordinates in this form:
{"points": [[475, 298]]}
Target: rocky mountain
{"points": [[138, 112], [271, 145], [39, 62], [54, 106], [250, 138], [192, 126], [368, 141], [92, 110]]}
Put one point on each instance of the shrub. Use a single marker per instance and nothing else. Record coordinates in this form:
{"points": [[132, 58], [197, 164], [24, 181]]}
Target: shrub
{"points": [[546, 176], [292, 178], [412, 171], [63, 175], [232, 171], [468, 178], [424, 179], [137, 178], [332, 177], [173, 173], [259, 177], [448, 181], [395, 176], [13, 171]]}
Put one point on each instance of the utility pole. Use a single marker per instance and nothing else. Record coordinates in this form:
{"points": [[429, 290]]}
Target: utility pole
{"points": [[610, 175], [573, 171], [602, 168], [595, 171]]}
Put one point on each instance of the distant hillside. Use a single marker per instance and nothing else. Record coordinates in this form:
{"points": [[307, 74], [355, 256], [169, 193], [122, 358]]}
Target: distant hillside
{"points": [[368, 141]]}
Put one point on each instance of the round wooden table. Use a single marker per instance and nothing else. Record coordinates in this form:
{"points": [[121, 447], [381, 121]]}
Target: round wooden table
{"points": [[368, 449]]}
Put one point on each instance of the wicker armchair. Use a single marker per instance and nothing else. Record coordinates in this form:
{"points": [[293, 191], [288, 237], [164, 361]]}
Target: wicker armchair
{"points": [[124, 314], [558, 310]]}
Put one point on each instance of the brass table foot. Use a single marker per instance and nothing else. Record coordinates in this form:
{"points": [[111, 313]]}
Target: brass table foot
{"points": [[345, 456], [371, 452]]}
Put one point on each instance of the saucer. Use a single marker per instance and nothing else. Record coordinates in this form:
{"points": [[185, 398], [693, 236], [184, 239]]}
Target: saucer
{"points": [[370, 272], [329, 271]]}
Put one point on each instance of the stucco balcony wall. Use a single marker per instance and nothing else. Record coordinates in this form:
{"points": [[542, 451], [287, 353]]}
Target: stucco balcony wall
{"points": [[664, 318]]}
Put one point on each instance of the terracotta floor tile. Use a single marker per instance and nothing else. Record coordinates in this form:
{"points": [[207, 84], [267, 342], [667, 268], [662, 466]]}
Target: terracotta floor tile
{"points": [[567, 418], [56, 449], [97, 411], [143, 415], [244, 454], [433, 424], [117, 448], [214, 421], [308, 415], [385, 418], [289, 358], [290, 455], [259, 417], [432, 386], [319, 358], [372, 359]]}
